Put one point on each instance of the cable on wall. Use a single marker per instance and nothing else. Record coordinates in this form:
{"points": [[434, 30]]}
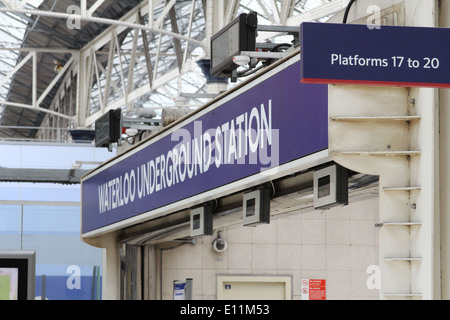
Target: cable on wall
{"points": [[347, 10]]}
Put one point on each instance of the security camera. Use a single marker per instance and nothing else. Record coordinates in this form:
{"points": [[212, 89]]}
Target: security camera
{"points": [[241, 60], [219, 244], [131, 132], [76, 165]]}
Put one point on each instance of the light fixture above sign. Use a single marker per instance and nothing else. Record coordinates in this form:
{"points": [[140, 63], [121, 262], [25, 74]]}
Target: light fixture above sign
{"points": [[256, 207], [330, 187], [201, 221]]}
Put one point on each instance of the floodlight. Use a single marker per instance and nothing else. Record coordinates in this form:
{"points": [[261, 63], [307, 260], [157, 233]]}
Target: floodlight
{"points": [[131, 131], [330, 187], [241, 60], [237, 36]]}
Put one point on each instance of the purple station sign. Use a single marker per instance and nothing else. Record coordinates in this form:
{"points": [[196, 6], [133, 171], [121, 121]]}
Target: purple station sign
{"points": [[387, 56], [256, 128]]}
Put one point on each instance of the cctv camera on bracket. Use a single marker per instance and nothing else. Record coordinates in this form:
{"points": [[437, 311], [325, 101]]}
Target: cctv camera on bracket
{"points": [[219, 244]]}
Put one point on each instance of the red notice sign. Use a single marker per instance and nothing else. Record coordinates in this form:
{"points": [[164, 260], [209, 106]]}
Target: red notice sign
{"points": [[314, 289]]}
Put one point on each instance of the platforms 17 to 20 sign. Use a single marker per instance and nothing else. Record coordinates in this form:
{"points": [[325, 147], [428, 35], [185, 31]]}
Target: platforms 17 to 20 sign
{"points": [[388, 56]]}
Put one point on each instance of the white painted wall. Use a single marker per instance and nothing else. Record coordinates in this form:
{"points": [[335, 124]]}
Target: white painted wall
{"points": [[337, 245], [409, 255], [444, 116]]}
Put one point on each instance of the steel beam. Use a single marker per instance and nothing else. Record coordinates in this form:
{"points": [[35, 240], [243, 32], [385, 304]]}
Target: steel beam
{"points": [[58, 176]]}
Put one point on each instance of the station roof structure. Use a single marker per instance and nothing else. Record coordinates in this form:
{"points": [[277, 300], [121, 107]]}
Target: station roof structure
{"points": [[53, 51]]}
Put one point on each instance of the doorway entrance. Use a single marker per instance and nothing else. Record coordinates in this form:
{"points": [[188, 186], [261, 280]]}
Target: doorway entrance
{"points": [[254, 288]]}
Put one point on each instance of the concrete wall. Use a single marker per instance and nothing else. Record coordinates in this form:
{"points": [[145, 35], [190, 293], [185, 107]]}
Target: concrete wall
{"points": [[444, 22], [407, 160], [337, 245]]}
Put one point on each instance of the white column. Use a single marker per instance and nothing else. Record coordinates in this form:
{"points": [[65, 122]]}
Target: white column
{"points": [[394, 133], [111, 269], [444, 22]]}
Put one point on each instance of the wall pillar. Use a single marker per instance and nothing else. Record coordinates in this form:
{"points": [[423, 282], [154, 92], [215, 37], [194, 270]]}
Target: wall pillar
{"points": [[444, 97]]}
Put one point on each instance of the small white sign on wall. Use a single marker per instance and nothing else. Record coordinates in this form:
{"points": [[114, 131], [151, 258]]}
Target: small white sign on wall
{"points": [[182, 290]]}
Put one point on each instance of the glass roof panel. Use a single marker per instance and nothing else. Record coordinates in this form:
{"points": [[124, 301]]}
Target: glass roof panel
{"points": [[12, 32]]}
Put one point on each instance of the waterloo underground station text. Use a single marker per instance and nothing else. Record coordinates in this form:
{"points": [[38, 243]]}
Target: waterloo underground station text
{"points": [[247, 139]]}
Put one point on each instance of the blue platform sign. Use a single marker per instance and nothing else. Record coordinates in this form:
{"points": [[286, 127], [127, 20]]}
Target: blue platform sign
{"points": [[264, 124], [387, 56]]}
